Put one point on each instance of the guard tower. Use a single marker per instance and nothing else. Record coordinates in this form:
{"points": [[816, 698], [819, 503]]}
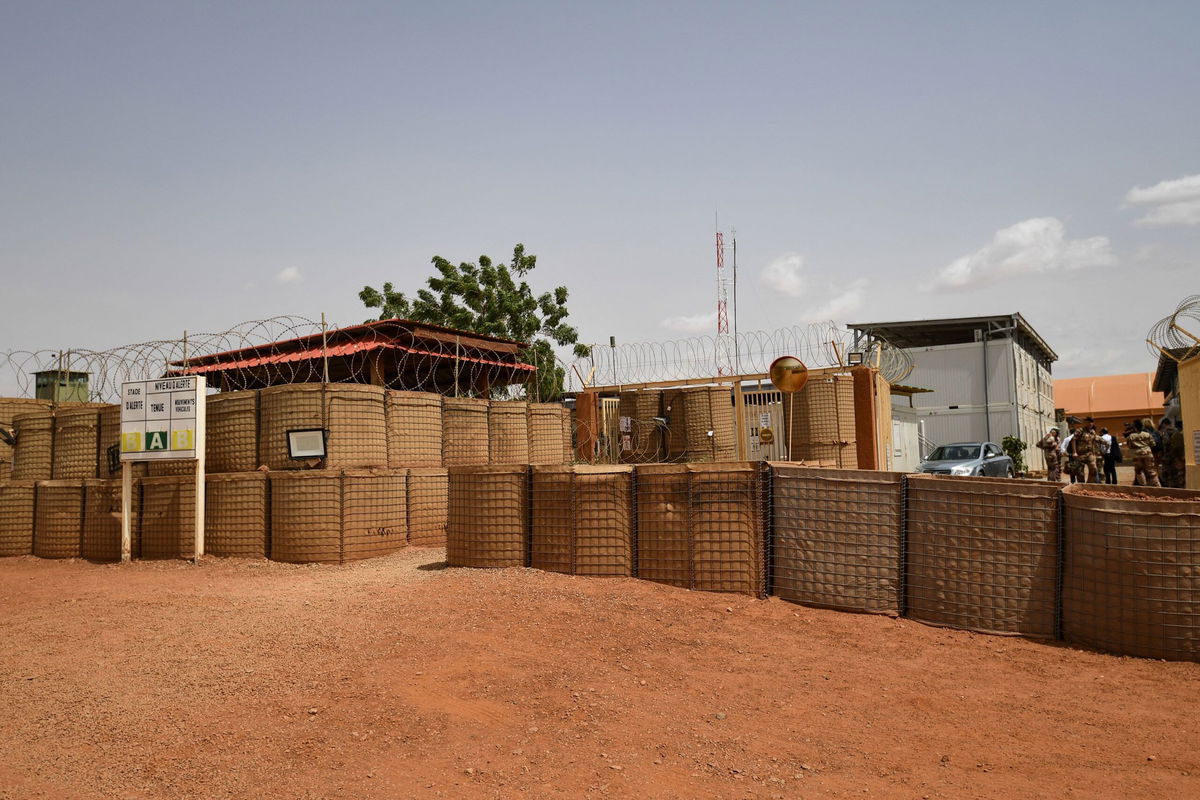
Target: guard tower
{"points": [[61, 386]]}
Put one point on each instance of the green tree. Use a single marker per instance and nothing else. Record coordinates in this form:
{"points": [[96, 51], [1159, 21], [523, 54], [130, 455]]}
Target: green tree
{"points": [[491, 298]]}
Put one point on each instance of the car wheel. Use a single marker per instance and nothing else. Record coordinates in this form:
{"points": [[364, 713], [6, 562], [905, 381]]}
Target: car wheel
{"points": [[1008, 473]]}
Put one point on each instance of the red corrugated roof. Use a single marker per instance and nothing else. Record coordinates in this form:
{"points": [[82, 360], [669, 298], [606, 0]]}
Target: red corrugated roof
{"points": [[344, 349]]}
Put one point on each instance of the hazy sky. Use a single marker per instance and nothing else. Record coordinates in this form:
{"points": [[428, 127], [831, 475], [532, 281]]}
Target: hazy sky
{"points": [[168, 166]]}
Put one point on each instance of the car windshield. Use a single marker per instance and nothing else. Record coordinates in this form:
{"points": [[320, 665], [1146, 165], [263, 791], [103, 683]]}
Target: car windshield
{"points": [[955, 452]]}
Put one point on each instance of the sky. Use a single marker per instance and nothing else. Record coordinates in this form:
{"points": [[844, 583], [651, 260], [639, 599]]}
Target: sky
{"points": [[188, 166]]}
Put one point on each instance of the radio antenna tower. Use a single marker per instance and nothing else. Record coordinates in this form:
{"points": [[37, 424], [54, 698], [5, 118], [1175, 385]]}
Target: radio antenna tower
{"points": [[726, 355]]}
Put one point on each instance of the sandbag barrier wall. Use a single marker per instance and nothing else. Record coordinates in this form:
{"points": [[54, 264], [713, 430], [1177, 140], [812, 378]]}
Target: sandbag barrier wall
{"points": [[1119, 573], [312, 516]]}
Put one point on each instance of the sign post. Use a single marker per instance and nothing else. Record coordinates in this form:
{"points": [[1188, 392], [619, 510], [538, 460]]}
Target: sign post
{"points": [[162, 420]]}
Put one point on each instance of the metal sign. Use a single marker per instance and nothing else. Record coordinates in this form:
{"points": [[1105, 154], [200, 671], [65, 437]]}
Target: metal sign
{"points": [[162, 419], [766, 435]]}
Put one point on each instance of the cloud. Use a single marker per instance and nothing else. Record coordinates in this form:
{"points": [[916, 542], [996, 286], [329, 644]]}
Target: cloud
{"points": [[1030, 247], [842, 304], [1187, 213], [289, 275], [784, 274], [696, 323], [1175, 202]]}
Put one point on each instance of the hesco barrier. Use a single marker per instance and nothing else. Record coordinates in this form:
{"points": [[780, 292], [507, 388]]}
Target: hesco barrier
{"points": [[568, 434], [374, 513], [306, 517], [582, 520], [232, 432], [58, 519], [353, 413], [645, 438], [546, 443], [982, 553], [16, 518], [1131, 570], [701, 526], [101, 535], [508, 432], [464, 431], [674, 409], [76, 443], [836, 537], [709, 423], [488, 517], [821, 423], [235, 514], [170, 468], [168, 521], [10, 408], [334, 516], [414, 429], [32, 460], [428, 504]]}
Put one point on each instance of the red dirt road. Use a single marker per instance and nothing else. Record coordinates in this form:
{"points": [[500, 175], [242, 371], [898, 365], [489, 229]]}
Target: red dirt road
{"points": [[396, 678]]}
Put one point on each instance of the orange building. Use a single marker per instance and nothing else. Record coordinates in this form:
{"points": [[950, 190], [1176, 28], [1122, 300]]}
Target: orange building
{"points": [[1113, 400]]}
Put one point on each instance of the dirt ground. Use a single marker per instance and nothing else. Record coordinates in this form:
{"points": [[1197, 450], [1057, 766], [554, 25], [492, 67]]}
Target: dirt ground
{"points": [[398, 678]]}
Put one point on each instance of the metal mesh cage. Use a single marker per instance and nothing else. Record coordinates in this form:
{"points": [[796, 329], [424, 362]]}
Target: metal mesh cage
{"points": [[664, 538], [306, 517], [728, 510], [232, 432], [820, 421], [836, 537], [58, 519], [488, 518], [709, 423], [582, 520], [546, 434], [428, 501], [568, 434], [643, 444], [508, 432], [676, 435], [1131, 570], [701, 526], [464, 431], [101, 532], [235, 514], [76, 443], [16, 518], [982, 553], [374, 513], [414, 429], [171, 468], [352, 413], [35, 442], [10, 408], [168, 518]]}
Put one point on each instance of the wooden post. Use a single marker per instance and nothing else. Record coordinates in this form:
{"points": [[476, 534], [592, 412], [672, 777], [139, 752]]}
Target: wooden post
{"points": [[865, 411], [587, 418], [201, 445], [126, 510]]}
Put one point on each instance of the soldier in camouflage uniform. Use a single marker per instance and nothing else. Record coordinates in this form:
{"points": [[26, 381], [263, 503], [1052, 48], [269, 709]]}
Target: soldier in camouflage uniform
{"points": [[1085, 446], [1140, 442], [1049, 445]]}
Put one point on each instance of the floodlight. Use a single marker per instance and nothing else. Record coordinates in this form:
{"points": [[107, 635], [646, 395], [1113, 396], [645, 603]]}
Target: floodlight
{"points": [[306, 443]]}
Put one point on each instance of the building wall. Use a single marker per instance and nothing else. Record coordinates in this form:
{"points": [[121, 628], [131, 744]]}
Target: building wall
{"points": [[1019, 397]]}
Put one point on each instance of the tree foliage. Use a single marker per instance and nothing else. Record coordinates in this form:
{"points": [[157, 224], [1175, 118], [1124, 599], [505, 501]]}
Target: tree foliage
{"points": [[491, 298]]}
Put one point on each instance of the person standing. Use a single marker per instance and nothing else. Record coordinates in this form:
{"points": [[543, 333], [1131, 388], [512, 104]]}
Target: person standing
{"points": [[1064, 454], [1175, 456], [1112, 456], [1049, 446], [1166, 470], [1141, 442], [1085, 446]]}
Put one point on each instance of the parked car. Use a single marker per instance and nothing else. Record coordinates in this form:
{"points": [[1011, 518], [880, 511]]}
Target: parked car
{"points": [[968, 458]]}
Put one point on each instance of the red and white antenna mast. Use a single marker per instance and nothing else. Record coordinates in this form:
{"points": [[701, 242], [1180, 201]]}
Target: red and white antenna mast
{"points": [[726, 342]]}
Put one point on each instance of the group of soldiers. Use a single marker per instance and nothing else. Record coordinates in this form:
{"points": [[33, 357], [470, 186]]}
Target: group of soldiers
{"points": [[1156, 452]]}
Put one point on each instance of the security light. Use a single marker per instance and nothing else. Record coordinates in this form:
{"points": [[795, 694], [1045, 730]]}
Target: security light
{"points": [[306, 443]]}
